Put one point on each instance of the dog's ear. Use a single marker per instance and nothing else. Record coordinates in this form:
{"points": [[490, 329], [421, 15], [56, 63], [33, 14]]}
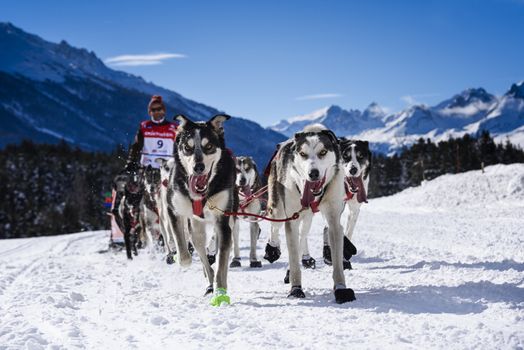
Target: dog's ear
{"points": [[217, 122], [298, 135], [182, 120], [331, 135]]}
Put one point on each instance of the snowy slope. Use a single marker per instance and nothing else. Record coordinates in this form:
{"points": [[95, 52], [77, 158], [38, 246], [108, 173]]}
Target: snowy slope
{"points": [[439, 266]]}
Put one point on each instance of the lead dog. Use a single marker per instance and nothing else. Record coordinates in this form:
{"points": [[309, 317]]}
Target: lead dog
{"points": [[248, 183], [305, 176], [202, 188]]}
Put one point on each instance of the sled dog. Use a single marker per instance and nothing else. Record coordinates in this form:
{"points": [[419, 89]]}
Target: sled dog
{"points": [[129, 211], [202, 188], [356, 158], [248, 184], [306, 177]]}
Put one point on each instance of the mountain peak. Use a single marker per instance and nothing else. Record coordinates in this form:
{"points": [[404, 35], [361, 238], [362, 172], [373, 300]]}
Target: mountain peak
{"points": [[516, 90]]}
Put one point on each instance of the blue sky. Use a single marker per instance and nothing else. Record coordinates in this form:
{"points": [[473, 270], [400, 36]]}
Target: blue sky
{"points": [[269, 60]]}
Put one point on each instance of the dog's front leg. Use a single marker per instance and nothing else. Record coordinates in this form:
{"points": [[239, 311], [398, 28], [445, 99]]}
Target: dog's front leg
{"points": [[305, 227], [127, 234], [254, 230], [295, 275], [223, 225], [224, 248], [354, 211], [176, 226], [342, 294], [198, 232]]}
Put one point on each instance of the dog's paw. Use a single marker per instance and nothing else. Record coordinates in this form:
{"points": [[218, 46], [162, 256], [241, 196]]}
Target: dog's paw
{"points": [[309, 263], [349, 249], [171, 258], [344, 295], [272, 253], [220, 298], [296, 292], [209, 290], [347, 265], [211, 259], [235, 263], [326, 254], [286, 279], [255, 264]]}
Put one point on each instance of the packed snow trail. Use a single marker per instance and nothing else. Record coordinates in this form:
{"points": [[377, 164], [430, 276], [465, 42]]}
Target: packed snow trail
{"points": [[439, 266]]}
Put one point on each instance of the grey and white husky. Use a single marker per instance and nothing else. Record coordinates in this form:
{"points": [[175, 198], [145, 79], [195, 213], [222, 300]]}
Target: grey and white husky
{"points": [[202, 188], [306, 177], [248, 184]]}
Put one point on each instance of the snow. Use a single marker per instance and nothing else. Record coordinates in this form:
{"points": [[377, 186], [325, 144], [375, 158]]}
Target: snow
{"points": [[439, 266]]}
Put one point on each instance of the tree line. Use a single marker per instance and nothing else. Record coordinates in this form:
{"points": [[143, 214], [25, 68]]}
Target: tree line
{"points": [[425, 160], [55, 189]]}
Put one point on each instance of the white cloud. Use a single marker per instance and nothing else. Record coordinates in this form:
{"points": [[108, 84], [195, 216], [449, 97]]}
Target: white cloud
{"points": [[414, 99], [317, 97], [142, 60]]}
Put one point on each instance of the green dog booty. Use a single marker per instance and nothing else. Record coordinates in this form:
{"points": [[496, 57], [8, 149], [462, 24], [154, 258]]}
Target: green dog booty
{"points": [[220, 298]]}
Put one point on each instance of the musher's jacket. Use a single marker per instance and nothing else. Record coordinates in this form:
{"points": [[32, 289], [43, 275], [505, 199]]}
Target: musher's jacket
{"points": [[152, 141]]}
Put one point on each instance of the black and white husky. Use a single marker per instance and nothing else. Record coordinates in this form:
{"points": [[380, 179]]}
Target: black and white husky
{"points": [[149, 213], [305, 176], [248, 184], [129, 210], [356, 158], [202, 188]]}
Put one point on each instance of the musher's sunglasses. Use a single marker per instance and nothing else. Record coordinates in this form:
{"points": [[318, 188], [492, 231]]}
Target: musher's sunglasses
{"points": [[157, 109]]}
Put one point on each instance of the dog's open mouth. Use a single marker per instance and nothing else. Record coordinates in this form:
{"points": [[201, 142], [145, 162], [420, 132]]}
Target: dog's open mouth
{"points": [[354, 184], [198, 184], [312, 189]]}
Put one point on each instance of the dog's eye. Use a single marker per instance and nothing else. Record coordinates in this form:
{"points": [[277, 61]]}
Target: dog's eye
{"points": [[187, 148], [303, 154], [208, 147], [359, 155], [322, 153]]}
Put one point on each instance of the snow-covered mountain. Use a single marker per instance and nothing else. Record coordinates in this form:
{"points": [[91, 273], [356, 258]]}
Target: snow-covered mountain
{"points": [[342, 122], [470, 111], [52, 91]]}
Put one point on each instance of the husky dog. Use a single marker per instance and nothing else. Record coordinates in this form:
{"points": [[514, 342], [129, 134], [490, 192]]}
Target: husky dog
{"points": [[202, 188], [129, 211], [165, 228], [356, 157], [161, 199], [305, 176], [248, 183], [149, 213]]}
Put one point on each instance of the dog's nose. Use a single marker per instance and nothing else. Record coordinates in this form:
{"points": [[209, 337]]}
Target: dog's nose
{"points": [[199, 168], [314, 174], [353, 171], [242, 181]]}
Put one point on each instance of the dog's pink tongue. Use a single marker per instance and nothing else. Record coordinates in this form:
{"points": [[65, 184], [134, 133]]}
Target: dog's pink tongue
{"points": [[361, 192], [308, 196], [198, 183]]}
